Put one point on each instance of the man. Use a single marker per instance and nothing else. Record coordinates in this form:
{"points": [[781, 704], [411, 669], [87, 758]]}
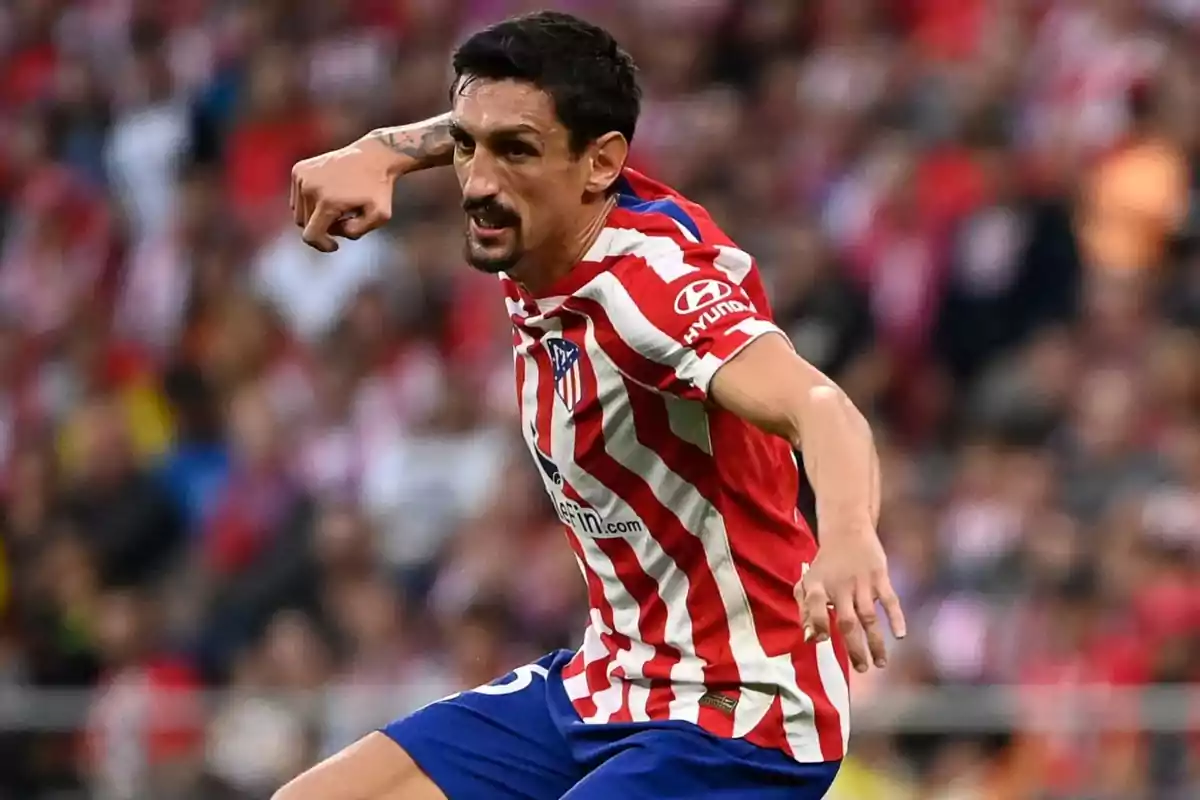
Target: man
{"points": [[662, 406]]}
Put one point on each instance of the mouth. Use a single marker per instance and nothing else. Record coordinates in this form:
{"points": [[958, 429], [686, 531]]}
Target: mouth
{"points": [[488, 224]]}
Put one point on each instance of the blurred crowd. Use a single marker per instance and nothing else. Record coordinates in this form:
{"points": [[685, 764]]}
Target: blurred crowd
{"points": [[238, 474]]}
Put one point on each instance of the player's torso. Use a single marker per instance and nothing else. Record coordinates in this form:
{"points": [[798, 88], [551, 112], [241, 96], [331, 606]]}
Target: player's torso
{"points": [[701, 618], [662, 498]]}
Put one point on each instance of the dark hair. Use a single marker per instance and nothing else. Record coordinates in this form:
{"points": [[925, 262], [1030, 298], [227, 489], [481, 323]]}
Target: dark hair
{"points": [[590, 79]]}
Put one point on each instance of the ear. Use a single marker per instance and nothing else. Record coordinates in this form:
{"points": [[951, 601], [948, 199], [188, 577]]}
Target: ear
{"points": [[607, 157]]}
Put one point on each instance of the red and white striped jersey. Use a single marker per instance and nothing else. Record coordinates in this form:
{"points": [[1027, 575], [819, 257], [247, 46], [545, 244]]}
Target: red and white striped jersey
{"points": [[682, 516]]}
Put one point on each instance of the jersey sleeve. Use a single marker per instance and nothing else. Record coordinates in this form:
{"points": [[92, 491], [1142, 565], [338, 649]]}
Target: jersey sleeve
{"points": [[671, 320]]}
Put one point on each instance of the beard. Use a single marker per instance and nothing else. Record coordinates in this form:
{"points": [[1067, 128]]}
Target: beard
{"points": [[492, 253], [490, 260]]}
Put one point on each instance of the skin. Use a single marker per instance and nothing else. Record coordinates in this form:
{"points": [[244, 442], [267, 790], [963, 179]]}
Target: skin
{"points": [[514, 163], [373, 768]]}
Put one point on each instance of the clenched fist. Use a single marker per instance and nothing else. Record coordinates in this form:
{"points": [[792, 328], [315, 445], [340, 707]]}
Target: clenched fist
{"points": [[346, 192]]}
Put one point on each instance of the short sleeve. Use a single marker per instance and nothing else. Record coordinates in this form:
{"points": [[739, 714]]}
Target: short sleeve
{"points": [[670, 323]]}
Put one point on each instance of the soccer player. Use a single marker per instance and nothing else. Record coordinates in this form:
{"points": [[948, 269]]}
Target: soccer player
{"points": [[663, 408]]}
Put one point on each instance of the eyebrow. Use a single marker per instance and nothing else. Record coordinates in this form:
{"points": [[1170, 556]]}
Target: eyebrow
{"points": [[509, 131]]}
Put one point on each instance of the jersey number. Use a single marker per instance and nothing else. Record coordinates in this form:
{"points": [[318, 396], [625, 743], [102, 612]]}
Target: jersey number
{"points": [[522, 677]]}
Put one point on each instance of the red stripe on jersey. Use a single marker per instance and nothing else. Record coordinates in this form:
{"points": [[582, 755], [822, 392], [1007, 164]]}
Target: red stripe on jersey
{"points": [[519, 368], [770, 732], [710, 627], [625, 712]]}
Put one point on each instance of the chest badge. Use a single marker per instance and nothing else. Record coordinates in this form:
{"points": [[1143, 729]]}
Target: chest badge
{"points": [[568, 373]]}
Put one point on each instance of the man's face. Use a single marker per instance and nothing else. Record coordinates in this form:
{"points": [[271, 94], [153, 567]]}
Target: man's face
{"points": [[521, 185]]}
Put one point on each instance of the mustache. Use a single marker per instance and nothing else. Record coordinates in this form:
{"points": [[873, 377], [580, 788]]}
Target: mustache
{"points": [[497, 211]]}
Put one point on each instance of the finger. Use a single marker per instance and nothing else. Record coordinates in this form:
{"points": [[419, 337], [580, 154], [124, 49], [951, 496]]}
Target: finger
{"points": [[355, 227], [306, 200], [316, 232], [816, 612], [891, 607], [864, 606], [292, 188], [371, 216], [298, 200], [847, 620]]}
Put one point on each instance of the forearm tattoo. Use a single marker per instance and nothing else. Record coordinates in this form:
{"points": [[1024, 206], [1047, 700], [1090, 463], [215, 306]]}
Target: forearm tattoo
{"points": [[428, 143]]}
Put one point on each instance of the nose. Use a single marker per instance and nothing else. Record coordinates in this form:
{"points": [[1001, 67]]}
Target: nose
{"points": [[479, 178]]}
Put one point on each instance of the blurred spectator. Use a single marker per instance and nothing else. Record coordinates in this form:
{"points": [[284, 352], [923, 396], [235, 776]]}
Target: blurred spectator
{"points": [[145, 729], [149, 138], [1136, 199], [311, 290], [126, 516], [259, 494]]}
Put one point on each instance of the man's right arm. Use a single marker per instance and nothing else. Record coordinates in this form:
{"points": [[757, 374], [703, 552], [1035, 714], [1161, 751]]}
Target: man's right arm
{"points": [[348, 192], [419, 145]]}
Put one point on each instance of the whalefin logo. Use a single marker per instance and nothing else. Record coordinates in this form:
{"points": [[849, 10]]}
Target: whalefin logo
{"points": [[549, 468], [568, 373]]}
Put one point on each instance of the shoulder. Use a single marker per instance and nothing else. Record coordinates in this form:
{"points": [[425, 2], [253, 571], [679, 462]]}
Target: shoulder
{"points": [[656, 243], [649, 260]]}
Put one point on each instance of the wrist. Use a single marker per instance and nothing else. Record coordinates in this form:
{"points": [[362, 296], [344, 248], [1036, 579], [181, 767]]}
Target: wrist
{"points": [[842, 524], [396, 162]]}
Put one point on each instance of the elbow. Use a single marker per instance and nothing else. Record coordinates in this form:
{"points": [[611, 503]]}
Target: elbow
{"points": [[827, 407], [294, 790]]}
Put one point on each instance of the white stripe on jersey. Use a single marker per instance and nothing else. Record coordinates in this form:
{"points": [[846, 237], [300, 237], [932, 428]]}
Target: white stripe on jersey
{"points": [[640, 333], [593, 650], [735, 263], [663, 254], [753, 328], [836, 687], [683, 229]]}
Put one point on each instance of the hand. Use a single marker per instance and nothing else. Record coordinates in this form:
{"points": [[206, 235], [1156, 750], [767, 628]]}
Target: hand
{"points": [[346, 192], [849, 575]]}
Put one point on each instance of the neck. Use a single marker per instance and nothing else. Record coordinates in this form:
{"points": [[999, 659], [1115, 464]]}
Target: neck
{"points": [[539, 273]]}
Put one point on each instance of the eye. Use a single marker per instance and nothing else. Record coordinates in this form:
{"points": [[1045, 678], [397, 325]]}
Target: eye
{"points": [[516, 150], [463, 144]]}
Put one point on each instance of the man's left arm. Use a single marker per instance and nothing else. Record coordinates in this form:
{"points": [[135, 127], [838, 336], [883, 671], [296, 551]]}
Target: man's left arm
{"points": [[690, 317], [767, 384]]}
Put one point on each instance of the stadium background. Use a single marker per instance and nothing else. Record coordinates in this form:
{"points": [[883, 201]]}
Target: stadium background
{"points": [[258, 500]]}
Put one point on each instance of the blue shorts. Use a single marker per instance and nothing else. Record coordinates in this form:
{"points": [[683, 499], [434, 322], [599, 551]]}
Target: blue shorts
{"points": [[521, 739]]}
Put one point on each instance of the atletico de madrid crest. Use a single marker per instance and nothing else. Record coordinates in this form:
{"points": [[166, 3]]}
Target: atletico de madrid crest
{"points": [[568, 373]]}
